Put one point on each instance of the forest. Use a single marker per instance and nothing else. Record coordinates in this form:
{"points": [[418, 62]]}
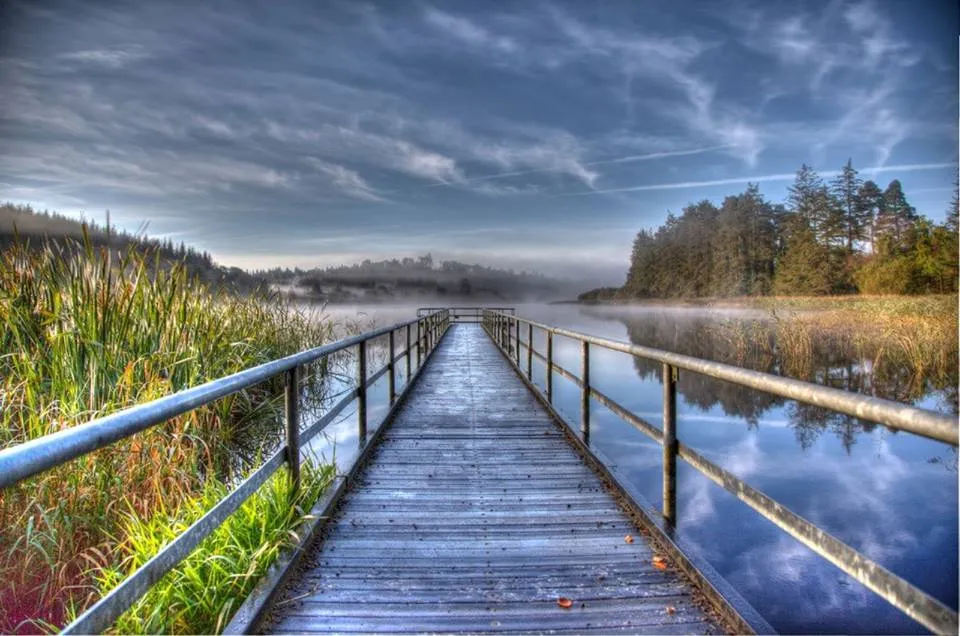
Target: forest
{"points": [[391, 280], [843, 236], [398, 279], [29, 225]]}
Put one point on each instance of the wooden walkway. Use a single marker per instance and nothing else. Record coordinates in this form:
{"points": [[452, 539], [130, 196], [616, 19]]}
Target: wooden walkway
{"points": [[475, 514]]}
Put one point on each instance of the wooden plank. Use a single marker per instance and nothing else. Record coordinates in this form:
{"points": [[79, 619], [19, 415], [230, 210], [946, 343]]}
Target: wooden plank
{"points": [[310, 625], [475, 514]]}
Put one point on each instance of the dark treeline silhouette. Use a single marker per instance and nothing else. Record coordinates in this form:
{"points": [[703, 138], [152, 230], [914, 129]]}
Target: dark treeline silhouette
{"points": [[379, 281], [24, 223], [838, 237], [832, 361], [396, 279]]}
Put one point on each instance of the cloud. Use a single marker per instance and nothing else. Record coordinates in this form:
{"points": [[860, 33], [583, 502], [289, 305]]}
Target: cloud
{"points": [[111, 58], [849, 56], [669, 61], [467, 31], [348, 181], [786, 176]]}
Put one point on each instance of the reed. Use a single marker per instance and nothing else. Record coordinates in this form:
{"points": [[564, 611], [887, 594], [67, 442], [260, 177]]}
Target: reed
{"points": [[912, 336], [201, 594], [85, 332]]}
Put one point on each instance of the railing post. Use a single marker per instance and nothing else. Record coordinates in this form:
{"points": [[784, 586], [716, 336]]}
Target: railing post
{"points": [[518, 342], [419, 340], [291, 399], [392, 384], [550, 367], [409, 352], [362, 392], [585, 393], [669, 443], [530, 351]]}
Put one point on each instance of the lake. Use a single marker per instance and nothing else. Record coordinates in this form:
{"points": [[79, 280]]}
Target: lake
{"points": [[892, 496]]}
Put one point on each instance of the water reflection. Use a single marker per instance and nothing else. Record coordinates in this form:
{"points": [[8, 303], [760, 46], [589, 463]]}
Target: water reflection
{"points": [[886, 494], [753, 343], [876, 490]]}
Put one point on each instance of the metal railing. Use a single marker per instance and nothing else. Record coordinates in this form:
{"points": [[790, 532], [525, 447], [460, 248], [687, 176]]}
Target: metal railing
{"points": [[466, 314], [505, 330], [36, 456]]}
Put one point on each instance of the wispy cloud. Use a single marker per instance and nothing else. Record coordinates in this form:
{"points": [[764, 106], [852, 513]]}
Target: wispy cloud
{"points": [[849, 55], [112, 58], [468, 31], [762, 178], [669, 61], [348, 181]]}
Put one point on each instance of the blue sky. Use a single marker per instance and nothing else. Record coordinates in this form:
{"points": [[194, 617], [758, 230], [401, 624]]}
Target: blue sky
{"points": [[536, 135]]}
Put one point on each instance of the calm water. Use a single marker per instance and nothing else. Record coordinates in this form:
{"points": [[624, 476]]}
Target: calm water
{"points": [[890, 495]]}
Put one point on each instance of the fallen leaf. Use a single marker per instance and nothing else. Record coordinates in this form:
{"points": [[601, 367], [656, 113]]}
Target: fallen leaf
{"points": [[564, 602], [660, 563], [671, 610], [628, 538]]}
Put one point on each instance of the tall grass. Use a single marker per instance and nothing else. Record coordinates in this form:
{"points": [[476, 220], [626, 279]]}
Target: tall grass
{"points": [[201, 594], [911, 337], [84, 332]]}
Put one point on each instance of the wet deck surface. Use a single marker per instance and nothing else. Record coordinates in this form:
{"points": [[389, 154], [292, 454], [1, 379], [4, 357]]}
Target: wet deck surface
{"points": [[476, 515]]}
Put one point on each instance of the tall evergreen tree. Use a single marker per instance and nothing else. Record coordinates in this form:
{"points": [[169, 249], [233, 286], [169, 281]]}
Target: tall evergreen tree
{"points": [[810, 198], [804, 267], [954, 210], [870, 198], [846, 189], [642, 262], [895, 221]]}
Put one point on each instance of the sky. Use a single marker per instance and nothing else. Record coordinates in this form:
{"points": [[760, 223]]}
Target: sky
{"points": [[538, 135]]}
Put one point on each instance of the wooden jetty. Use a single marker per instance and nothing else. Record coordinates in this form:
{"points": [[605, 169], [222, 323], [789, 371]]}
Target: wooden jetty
{"points": [[475, 513], [475, 507]]}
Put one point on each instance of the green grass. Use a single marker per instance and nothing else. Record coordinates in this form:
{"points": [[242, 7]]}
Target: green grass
{"points": [[201, 594], [85, 332]]}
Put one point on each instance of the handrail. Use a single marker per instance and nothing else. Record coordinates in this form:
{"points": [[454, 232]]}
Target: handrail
{"points": [[504, 330], [895, 415], [473, 311], [31, 458]]}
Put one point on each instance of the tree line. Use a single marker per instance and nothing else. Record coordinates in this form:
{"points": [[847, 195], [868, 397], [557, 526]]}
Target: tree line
{"points": [[24, 223], [396, 279], [840, 236]]}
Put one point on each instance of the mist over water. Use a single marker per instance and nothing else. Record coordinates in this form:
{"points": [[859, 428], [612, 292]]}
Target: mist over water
{"points": [[893, 496]]}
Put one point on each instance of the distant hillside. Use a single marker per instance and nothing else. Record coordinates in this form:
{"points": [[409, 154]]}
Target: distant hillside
{"points": [[27, 224], [421, 278]]}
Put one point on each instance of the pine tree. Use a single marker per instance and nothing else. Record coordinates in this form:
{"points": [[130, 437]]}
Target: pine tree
{"points": [[642, 262], [895, 221], [810, 198], [954, 210], [870, 198], [846, 189], [804, 267]]}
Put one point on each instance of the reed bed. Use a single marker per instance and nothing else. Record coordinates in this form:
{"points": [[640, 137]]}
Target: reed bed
{"points": [[912, 336], [85, 332]]}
